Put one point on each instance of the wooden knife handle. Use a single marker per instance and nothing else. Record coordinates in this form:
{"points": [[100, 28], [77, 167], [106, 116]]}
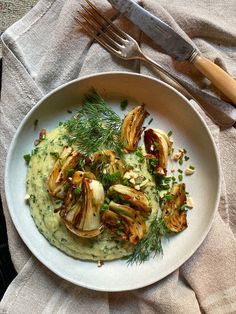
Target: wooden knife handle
{"points": [[223, 81]]}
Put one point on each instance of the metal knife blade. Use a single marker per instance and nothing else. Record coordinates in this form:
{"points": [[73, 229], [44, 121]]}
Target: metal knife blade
{"points": [[165, 36]]}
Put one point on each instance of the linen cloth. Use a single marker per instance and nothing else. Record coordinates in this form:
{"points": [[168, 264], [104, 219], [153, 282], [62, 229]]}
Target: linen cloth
{"points": [[47, 48]]}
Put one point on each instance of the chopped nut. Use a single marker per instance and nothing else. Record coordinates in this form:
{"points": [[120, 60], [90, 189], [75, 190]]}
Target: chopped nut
{"points": [[137, 187], [131, 175], [100, 263], [144, 183], [189, 171], [189, 202], [135, 175], [132, 180], [127, 175], [177, 155], [27, 197], [173, 169]]}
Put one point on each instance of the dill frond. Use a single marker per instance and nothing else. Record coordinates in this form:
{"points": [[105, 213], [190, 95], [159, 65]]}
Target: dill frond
{"points": [[151, 243], [95, 126]]}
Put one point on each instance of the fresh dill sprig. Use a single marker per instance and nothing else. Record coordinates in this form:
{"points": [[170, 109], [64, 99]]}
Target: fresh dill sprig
{"points": [[95, 126], [151, 243]]}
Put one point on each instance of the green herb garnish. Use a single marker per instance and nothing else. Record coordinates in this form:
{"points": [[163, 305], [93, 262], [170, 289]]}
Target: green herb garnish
{"points": [[54, 154], [96, 126], [169, 133], [108, 179], [181, 162], [70, 172], [27, 158], [151, 243], [124, 104], [77, 190], [184, 207], [126, 182], [139, 154], [180, 177]]}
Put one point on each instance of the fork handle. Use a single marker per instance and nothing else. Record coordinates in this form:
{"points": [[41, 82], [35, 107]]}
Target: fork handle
{"points": [[166, 76], [222, 80], [208, 103]]}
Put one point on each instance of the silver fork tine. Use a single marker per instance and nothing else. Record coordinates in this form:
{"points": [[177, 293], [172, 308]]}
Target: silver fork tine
{"points": [[128, 48], [103, 30], [99, 37], [108, 21]]}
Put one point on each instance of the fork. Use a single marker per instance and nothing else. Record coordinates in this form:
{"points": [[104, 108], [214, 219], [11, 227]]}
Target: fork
{"points": [[121, 44]]}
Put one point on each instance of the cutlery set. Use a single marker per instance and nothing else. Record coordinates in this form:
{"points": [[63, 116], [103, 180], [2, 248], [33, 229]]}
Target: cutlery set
{"points": [[121, 44]]}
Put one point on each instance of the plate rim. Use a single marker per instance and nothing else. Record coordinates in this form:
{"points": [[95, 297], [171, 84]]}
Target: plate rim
{"points": [[7, 188]]}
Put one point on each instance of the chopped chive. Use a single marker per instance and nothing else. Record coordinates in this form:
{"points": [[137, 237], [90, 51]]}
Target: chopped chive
{"points": [[181, 162], [124, 104], [169, 133], [186, 158], [150, 121], [167, 179], [180, 177], [180, 171], [27, 158], [191, 167]]}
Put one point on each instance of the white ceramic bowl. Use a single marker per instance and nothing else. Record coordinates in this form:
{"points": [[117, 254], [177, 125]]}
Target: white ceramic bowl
{"points": [[171, 111]]}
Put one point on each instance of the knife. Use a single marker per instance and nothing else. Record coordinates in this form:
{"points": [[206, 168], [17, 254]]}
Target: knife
{"points": [[175, 45]]}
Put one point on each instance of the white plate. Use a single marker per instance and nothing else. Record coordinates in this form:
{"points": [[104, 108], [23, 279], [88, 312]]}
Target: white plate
{"points": [[171, 111]]}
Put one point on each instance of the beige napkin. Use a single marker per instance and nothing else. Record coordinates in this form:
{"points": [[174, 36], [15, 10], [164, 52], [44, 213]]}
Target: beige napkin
{"points": [[47, 48]]}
